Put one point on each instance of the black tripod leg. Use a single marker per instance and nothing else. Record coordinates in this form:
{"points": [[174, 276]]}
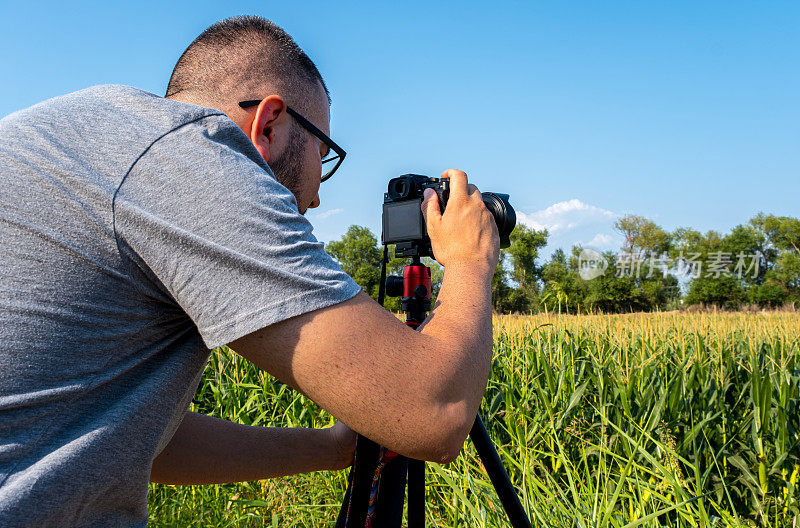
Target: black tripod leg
{"points": [[354, 508], [392, 494], [498, 476], [416, 494]]}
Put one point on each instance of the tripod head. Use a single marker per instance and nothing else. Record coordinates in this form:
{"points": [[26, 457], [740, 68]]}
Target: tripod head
{"points": [[414, 290]]}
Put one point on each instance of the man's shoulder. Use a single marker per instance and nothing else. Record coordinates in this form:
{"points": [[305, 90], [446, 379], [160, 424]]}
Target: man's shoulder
{"points": [[108, 92], [123, 99], [112, 109], [112, 126]]}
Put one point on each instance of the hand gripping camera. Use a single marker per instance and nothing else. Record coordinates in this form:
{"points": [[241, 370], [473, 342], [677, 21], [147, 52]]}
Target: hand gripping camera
{"points": [[404, 224]]}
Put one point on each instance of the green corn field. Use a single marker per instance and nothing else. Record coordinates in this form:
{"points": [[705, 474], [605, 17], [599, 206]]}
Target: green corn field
{"points": [[666, 419]]}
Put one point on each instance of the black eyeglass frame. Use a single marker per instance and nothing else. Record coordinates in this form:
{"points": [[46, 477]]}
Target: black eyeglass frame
{"points": [[314, 130]]}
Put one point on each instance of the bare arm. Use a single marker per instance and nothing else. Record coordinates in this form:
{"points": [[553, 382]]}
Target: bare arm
{"points": [[206, 450], [414, 392]]}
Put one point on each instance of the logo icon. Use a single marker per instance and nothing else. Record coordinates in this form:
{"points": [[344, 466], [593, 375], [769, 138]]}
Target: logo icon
{"points": [[591, 264]]}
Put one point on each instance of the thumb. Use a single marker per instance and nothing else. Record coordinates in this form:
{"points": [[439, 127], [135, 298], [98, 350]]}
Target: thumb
{"points": [[430, 206]]}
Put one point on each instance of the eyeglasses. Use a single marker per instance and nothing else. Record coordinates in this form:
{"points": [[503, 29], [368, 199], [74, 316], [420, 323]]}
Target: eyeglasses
{"points": [[335, 155]]}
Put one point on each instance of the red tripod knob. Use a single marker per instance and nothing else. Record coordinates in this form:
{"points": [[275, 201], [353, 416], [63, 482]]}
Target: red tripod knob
{"points": [[416, 301]]}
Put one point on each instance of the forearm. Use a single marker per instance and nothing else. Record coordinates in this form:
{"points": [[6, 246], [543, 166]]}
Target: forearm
{"points": [[462, 324], [206, 450]]}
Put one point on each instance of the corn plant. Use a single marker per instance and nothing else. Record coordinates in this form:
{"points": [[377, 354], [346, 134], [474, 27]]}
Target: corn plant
{"points": [[666, 419]]}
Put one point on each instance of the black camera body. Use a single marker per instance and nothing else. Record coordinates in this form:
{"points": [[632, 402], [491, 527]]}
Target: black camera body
{"points": [[404, 224]]}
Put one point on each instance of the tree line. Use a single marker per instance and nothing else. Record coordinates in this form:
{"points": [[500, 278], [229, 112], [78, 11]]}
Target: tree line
{"points": [[755, 264]]}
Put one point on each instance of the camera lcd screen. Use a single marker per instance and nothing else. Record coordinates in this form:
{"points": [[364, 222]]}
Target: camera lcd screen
{"points": [[403, 221]]}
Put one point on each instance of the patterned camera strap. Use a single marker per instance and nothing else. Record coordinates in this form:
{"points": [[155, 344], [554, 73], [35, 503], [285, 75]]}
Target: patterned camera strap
{"points": [[376, 488]]}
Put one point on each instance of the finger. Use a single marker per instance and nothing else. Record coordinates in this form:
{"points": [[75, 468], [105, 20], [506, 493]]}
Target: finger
{"points": [[458, 182], [473, 192], [430, 206]]}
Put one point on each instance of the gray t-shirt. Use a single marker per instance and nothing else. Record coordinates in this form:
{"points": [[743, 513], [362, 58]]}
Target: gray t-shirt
{"points": [[136, 233]]}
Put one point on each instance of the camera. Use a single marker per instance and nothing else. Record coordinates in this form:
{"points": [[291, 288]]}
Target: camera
{"points": [[404, 224]]}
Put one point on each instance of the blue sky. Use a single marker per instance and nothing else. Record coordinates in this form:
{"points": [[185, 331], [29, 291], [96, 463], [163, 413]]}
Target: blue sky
{"points": [[685, 112]]}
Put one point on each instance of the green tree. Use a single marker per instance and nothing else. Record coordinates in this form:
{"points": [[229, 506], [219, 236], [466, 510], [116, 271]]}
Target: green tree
{"points": [[714, 258], [522, 256], [523, 252], [763, 263], [636, 284], [782, 258], [500, 286], [621, 288], [643, 235], [359, 256], [516, 279], [783, 232], [563, 291]]}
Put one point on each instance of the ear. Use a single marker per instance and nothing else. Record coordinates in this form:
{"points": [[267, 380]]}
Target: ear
{"points": [[271, 111]]}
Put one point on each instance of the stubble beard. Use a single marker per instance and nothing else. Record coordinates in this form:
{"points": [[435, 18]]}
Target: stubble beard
{"points": [[287, 167]]}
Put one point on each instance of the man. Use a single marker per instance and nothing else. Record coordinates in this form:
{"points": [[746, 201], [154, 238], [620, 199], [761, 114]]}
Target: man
{"points": [[139, 232]]}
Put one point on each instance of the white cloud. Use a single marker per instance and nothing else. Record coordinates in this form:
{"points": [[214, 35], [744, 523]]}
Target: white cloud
{"points": [[572, 222], [602, 240], [326, 214], [564, 216]]}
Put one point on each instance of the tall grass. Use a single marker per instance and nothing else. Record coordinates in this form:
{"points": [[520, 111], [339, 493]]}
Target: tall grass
{"points": [[602, 421]]}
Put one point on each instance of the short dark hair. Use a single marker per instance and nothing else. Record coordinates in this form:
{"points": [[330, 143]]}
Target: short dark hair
{"points": [[242, 53]]}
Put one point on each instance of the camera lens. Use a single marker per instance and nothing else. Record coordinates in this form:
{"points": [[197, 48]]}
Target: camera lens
{"points": [[503, 213]]}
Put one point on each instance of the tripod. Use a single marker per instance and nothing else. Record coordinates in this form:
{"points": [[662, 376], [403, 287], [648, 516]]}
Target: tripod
{"points": [[374, 496]]}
